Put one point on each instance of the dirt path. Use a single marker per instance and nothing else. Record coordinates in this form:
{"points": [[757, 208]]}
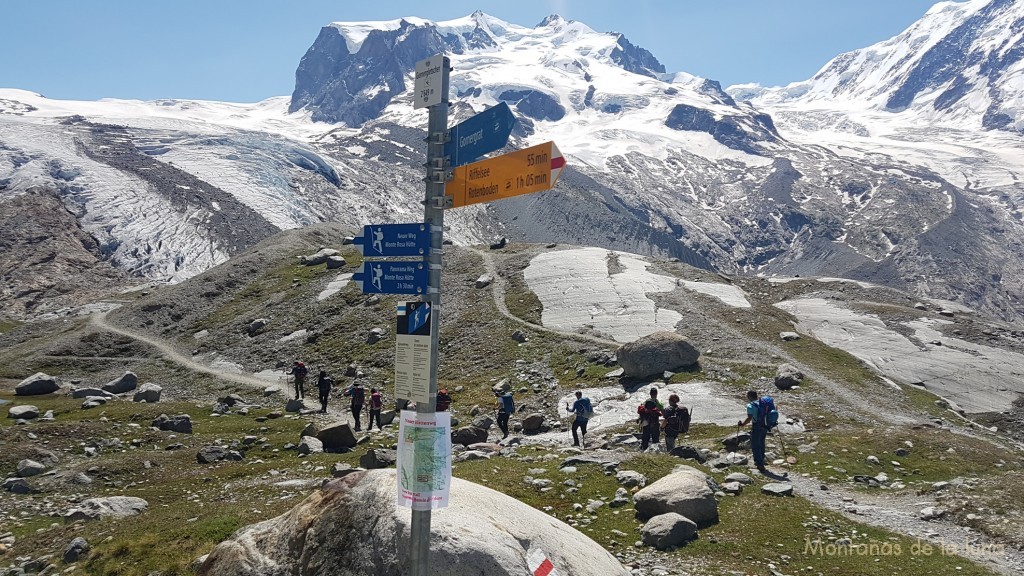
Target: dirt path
{"points": [[99, 320], [900, 513]]}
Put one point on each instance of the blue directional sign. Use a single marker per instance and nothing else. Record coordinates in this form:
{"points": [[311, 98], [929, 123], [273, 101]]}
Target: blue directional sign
{"points": [[479, 135], [381, 240], [392, 278]]}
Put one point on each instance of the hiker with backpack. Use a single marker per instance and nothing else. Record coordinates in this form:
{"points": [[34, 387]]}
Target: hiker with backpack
{"points": [[299, 371], [762, 412], [358, 394], [506, 407], [376, 405], [584, 412], [324, 383], [676, 421], [649, 414]]}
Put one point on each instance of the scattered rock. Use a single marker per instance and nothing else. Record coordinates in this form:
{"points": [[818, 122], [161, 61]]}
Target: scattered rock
{"points": [[340, 470], [484, 281], [77, 549], [87, 392], [378, 458], [469, 435], [110, 506], [28, 468], [335, 262], [788, 376], [337, 437], [23, 412], [789, 336], [736, 441], [294, 405], [668, 530], [147, 393], [689, 453], [533, 422], [931, 513], [256, 326], [181, 423], [685, 491], [126, 383], [18, 486], [319, 258], [777, 489], [734, 488], [310, 445], [519, 336], [36, 385], [211, 454], [631, 479], [739, 477]]}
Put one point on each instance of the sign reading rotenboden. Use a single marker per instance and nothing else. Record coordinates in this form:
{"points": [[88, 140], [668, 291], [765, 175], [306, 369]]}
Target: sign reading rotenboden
{"points": [[526, 171]]}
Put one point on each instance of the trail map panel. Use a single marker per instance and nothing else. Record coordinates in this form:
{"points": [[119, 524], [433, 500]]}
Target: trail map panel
{"points": [[424, 460]]}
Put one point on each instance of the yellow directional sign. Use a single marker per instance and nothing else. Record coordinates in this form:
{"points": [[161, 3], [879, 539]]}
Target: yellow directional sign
{"points": [[533, 169]]}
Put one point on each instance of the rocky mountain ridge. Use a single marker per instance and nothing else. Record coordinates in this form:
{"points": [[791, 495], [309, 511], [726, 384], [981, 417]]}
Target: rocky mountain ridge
{"points": [[658, 163]]}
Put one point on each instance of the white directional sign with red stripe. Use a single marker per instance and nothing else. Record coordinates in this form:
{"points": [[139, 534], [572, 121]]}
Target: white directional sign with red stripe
{"points": [[539, 564], [525, 171]]}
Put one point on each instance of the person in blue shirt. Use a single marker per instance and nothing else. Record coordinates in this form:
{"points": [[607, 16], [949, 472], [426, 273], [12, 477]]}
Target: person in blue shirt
{"points": [[758, 431], [582, 408], [506, 406]]}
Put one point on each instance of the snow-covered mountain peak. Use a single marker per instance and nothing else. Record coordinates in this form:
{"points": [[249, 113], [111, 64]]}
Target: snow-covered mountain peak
{"points": [[958, 65]]}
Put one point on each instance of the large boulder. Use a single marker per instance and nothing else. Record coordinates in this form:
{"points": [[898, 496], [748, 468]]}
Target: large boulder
{"points": [[111, 506], [36, 385], [656, 353], [668, 530], [87, 392], [533, 422], [351, 526], [685, 491], [126, 383], [310, 445], [788, 376], [337, 437]]}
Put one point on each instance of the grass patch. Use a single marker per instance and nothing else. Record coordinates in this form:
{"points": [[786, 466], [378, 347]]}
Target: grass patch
{"points": [[8, 325], [934, 454]]}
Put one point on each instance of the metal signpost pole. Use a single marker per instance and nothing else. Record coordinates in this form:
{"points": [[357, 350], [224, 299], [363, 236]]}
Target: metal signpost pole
{"points": [[433, 214]]}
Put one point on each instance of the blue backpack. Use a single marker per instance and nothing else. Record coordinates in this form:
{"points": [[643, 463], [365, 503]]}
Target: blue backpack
{"points": [[507, 404], [767, 415]]}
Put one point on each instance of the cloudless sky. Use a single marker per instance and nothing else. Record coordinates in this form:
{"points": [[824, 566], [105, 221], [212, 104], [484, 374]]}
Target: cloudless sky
{"points": [[247, 50]]}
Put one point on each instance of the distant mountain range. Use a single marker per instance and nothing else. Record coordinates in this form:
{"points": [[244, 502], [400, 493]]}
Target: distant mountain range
{"points": [[898, 164]]}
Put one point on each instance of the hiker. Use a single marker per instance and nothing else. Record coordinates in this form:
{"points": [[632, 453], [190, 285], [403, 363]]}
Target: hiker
{"points": [[443, 401], [763, 415], [506, 406], [376, 405], [358, 394], [676, 421], [299, 371], [654, 396], [324, 385], [649, 415], [584, 411]]}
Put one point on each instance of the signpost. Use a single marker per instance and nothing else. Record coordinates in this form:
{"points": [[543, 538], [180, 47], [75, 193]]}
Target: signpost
{"points": [[481, 134], [526, 171], [392, 278], [432, 92], [381, 240]]}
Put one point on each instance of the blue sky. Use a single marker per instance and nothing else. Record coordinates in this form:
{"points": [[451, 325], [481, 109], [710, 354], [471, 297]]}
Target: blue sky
{"points": [[245, 51]]}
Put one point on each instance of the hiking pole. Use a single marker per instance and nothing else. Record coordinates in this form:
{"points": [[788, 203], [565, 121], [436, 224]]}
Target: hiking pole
{"points": [[781, 443]]}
